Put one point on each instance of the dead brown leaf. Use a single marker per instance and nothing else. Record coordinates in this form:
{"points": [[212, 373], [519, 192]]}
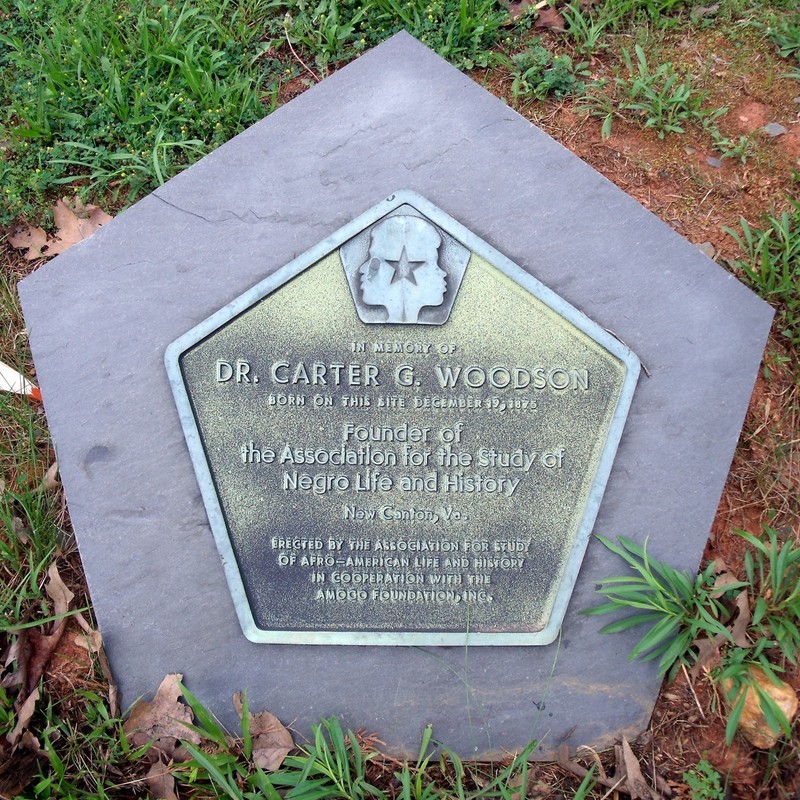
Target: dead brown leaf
{"points": [[58, 592], [724, 578], [708, 654], [41, 646], [518, 788], [638, 787], [74, 222], [16, 772], [272, 742], [698, 12], [91, 641], [550, 19], [23, 717], [17, 653], [50, 480], [20, 530], [29, 238], [160, 782], [517, 8], [94, 644], [163, 721], [742, 622]]}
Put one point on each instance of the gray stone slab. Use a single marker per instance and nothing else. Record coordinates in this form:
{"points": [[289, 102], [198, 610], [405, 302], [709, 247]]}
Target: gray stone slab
{"points": [[101, 315]]}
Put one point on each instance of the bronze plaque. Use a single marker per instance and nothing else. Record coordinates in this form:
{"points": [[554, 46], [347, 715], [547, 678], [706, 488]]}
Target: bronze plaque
{"points": [[401, 438]]}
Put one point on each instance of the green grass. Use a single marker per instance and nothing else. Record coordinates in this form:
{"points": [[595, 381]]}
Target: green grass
{"points": [[784, 32], [126, 95], [461, 31], [28, 529], [677, 608], [336, 764], [123, 97]]}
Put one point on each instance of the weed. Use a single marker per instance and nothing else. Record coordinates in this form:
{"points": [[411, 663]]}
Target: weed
{"points": [[784, 33], [772, 265], [680, 609], [704, 782], [599, 104], [740, 147], [587, 29], [660, 99], [332, 766], [773, 571], [536, 72], [737, 674], [461, 31], [329, 29], [587, 785], [654, 11], [684, 612], [28, 532]]}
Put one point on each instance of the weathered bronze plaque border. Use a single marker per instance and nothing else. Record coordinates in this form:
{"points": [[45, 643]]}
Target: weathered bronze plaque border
{"points": [[283, 275]]}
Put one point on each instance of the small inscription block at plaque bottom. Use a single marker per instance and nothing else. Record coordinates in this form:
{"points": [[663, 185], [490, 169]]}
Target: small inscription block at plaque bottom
{"points": [[401, 437]]}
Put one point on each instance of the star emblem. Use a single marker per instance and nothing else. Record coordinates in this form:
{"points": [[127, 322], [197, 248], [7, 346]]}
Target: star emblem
{"points": [[403, 268]]}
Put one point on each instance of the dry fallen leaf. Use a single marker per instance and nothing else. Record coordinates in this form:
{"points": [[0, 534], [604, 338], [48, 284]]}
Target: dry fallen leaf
{"points": [[163, 720], [708, 654], [17, 654], [94, 643], [74, 222], [50, 480], [58, 592], [723, 579], [160, 782], [29, 238], [637, 785], [699, 12], [17, 771], [23, 717], [742, 622], [42, 647], [272, 742], [550, 19], [20, 530], [516, 8], [91, 641]]}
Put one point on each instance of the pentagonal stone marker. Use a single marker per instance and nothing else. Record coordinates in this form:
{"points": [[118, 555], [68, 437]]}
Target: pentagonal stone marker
{"points": [[102, 315], [401, 438]]}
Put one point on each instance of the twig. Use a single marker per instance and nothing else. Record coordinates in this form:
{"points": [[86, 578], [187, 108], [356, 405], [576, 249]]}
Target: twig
{"points": [[614, 787], [691, 689], [294, 53], [581, 772]]}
